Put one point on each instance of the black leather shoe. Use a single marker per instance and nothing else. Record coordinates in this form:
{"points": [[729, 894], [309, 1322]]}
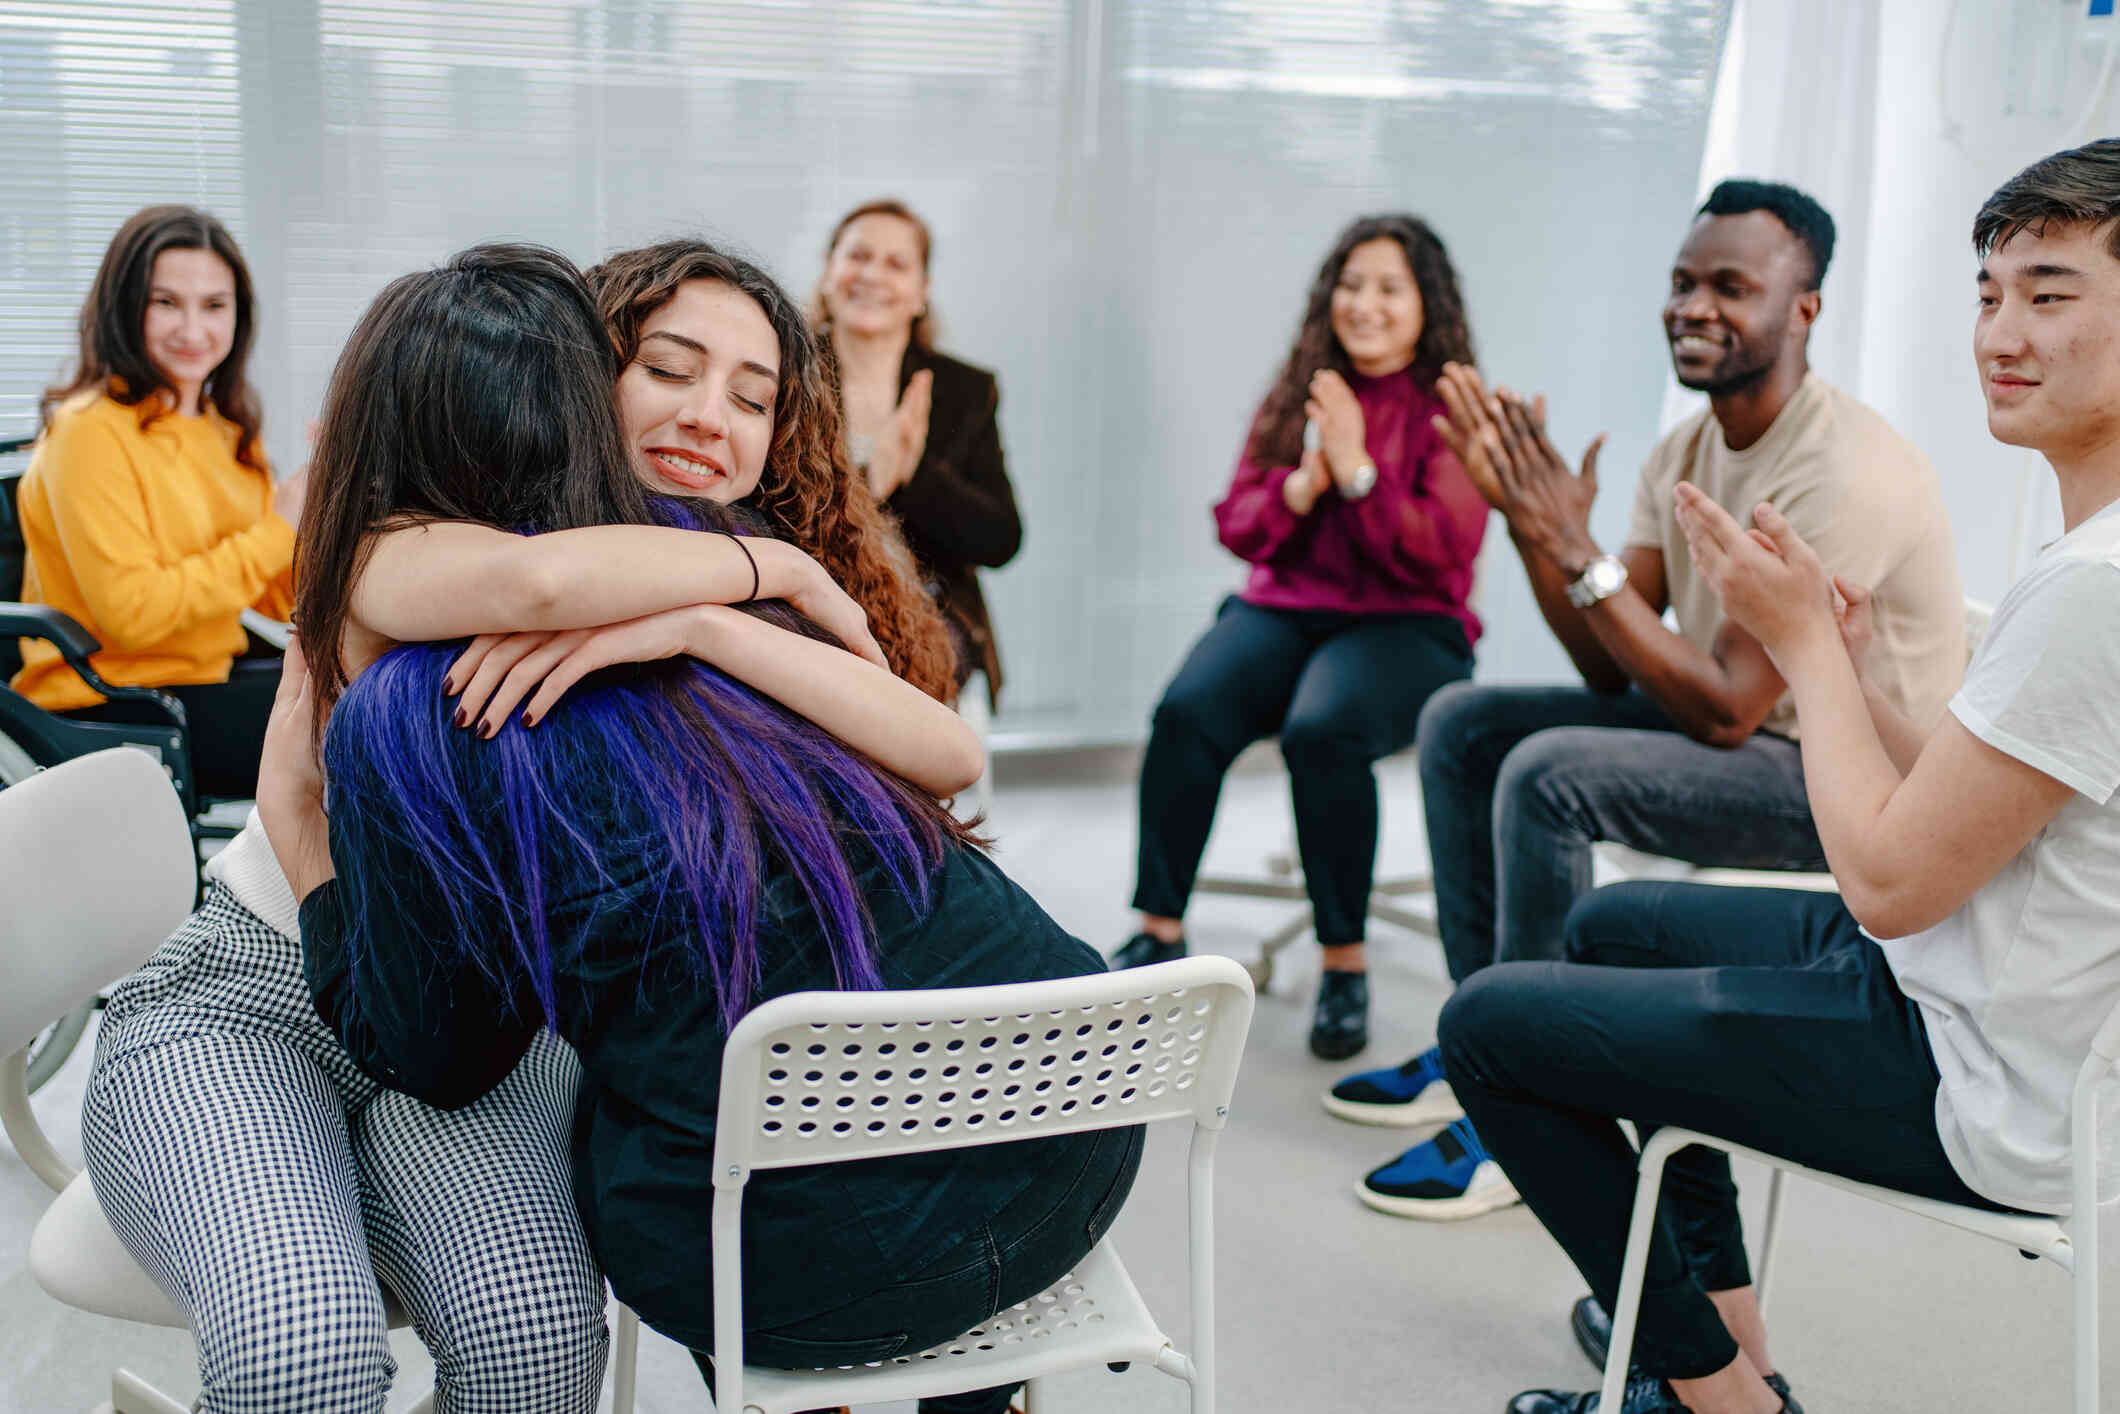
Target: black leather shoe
{"points": [[1593, 1329], [1141, 949], [1339, 1025], [1646, 1394]]}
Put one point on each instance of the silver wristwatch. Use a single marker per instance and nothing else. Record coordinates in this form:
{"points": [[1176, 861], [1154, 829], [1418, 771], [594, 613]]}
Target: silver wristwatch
{"points": [[1361, 483], [1602, 578]]}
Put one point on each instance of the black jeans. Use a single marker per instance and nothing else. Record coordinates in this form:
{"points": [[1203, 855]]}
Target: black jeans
{"points": [[227, 724], [1014, 1255], [1519, 782], [1761, 1016], [1341, 690]]}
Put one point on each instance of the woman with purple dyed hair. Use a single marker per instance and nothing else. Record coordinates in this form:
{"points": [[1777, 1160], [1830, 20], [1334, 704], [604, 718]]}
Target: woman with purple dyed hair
{"points": [[636, 862]]}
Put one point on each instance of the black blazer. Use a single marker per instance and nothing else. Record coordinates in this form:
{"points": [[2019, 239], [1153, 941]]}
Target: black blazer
{"points": [[958, 512]]}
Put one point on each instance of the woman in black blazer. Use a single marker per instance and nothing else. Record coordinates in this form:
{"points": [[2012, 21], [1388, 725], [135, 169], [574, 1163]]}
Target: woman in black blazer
{"points": [[921, 426]]}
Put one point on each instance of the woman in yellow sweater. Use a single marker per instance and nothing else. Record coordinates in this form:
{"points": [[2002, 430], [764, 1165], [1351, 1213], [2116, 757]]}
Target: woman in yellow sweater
{"points": [[148, 511]]}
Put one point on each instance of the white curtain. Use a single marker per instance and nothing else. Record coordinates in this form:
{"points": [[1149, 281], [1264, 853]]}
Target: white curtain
{"points": [[1129, 198], [1901, 116]]}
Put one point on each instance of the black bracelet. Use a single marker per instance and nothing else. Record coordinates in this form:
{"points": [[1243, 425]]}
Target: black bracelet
{"points": [[737, 540]]}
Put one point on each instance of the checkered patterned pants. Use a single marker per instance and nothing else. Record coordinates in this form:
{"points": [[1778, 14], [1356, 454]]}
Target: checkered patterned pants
{"points": [[267, 1184]]}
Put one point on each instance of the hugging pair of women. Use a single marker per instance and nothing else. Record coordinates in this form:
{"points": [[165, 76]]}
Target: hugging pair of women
{"points": [[630, 720]]}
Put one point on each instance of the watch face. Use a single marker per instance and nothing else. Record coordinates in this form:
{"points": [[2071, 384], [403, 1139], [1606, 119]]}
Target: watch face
{"points": [[1606, 576]]}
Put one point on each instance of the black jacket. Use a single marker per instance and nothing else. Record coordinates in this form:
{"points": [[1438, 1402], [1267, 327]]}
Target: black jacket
{"points": [[958, 510], [421, 1019]]}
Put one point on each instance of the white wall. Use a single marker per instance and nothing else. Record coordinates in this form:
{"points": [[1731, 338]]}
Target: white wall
{"points": [[1902, 116]]}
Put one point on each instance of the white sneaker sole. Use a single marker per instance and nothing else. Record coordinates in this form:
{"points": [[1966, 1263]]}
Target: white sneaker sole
{"points": [[1436, 1105], [1476, 1202]]}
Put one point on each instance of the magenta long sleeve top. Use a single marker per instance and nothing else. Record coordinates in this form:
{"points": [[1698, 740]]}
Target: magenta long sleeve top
{"points": [[1405, 548]]}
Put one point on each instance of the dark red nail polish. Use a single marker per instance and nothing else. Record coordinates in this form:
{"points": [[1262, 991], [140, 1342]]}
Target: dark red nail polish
{"points": [[529, 719], [460, 716], [448, 687]]}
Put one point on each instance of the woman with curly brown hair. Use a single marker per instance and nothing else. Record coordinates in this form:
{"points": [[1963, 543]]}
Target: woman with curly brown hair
{"points": [[466, 1214], [1361, 529]]}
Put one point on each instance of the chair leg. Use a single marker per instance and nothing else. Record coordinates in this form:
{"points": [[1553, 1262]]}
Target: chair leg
{"points": [[625, 1360], [423, 1405], [1632, 1274], [1032, 1397], [1768, 1232], [129, 1394], [2083, 1277]]}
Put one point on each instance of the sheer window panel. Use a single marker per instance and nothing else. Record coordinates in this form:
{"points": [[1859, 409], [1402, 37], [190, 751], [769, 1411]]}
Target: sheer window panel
{"points": [[1554, 147], [1128, 201], [104, 108]]}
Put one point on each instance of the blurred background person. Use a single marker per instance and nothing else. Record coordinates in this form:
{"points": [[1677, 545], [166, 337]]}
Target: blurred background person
{"points": [[1361, 533], [921, 426], [149, 512]]}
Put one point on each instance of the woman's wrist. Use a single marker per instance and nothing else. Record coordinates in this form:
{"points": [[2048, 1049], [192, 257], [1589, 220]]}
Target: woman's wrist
{"points": [[784, 571]]}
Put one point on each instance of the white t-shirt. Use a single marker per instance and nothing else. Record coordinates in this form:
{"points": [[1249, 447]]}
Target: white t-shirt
{"points": [[2015, 984]]}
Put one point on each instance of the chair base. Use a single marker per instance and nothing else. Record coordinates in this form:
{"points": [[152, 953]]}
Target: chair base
{"points": [[1384, 904], [1091, 1316]]}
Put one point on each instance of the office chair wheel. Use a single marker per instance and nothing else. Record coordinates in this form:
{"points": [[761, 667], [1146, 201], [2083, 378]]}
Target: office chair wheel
{"points": [[49, 1052]]}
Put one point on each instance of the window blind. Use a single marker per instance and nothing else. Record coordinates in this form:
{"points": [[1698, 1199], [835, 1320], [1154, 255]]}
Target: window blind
{"points": [[1129, 197]]}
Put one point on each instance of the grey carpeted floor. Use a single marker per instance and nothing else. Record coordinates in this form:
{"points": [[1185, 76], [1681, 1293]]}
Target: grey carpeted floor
{"points": [[1324, 1306]]}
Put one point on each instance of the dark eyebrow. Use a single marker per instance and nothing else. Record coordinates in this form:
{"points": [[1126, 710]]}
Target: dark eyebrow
{"points": [[2053, 272], [697, 347]]}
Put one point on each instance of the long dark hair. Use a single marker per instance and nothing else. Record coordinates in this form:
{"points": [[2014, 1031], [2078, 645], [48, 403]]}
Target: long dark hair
{"points": [[808, 494], [485, 391], [926, 327], [1277, 432], [114, 357]]}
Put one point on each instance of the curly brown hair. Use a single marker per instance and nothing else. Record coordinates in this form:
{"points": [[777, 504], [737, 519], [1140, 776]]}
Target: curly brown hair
{"points": [[1277, 433], [925, 325], [808, 494]]}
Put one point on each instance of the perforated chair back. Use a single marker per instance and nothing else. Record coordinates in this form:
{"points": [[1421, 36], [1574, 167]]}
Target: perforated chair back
{"points": [[821, 1077], [96, 869]]}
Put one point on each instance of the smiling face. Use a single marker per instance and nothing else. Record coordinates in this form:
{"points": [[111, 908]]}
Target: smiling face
{"points": [[2047, 340], [875, 280], [1376, 308], [1737, 305], [697, 400], [190, 323]]}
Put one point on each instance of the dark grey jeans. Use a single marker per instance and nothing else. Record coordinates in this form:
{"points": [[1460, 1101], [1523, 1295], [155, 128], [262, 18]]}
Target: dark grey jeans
{"points": [[1519, 782]]}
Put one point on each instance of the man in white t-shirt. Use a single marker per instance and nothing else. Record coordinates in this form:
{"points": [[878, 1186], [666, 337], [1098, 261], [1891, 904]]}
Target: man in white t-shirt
{"points": [[1985, 849]]}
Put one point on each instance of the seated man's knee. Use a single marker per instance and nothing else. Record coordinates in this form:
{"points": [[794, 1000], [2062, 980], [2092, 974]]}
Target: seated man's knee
{"points": [[1541, 777], [318, 1343], [1607, 924], [1447, 718], [1488, 1015]]}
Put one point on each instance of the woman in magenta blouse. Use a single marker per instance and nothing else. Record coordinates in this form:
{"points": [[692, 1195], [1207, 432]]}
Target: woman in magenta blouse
{"points": [[1361, 529]]}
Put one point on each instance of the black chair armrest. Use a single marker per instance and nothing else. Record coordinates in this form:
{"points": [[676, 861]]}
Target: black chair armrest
{"points": [[74, 642]]}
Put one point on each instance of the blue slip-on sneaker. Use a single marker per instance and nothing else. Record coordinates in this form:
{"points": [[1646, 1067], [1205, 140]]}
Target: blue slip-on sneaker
{"points": [[1447, 1178], [1402, 1095]]}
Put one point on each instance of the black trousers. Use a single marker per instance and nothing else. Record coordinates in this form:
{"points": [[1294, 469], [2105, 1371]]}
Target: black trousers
{"points": [[1341, 690], [227, 724], [1761, 1016], [1014, 1255]]}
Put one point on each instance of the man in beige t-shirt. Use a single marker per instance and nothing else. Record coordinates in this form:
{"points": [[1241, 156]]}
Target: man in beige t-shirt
{"points": [[1677, 743]]}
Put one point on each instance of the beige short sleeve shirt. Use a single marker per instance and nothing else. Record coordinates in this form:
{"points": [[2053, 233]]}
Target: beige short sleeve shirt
{"points": [[1862, 496]]}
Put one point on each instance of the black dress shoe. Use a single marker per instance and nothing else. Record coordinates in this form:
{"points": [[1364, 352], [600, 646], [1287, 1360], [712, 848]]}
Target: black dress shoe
{"points": [[1142, 949], [1339, 1025], [1592, 1326], [1645, 1394]]}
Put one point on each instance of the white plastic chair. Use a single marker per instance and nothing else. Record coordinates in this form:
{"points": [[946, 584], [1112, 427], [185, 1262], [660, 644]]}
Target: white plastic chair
{"points": [[97, 868], [827, 1077], [2071, 1243]]}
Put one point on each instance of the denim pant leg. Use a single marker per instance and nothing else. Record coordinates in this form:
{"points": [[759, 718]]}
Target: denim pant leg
{"points": [[1799, 1043], [1563, 790], [1466, 731], [1359, 700], [1232, 691]]}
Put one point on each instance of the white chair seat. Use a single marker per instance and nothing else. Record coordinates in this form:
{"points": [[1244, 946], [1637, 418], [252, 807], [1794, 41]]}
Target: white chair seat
{"points": [[78, 1259], [1091, 1316]]}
